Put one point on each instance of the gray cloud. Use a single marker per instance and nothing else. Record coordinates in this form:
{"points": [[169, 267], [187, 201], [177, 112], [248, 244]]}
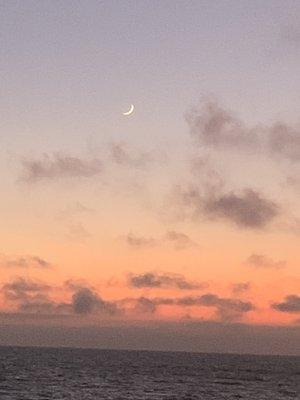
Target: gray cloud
{"points": [[248, 209], [284, 141], [121, 156], [262, 261], [24, 290], [139, 241], [227, 309], [24, 262], [44, 307], [59, 166], [155, 280], [33, 297], [86, 301], [216, 127], [291, 304], [179, 240], [238, 288], [144, 305], [213, 126]]}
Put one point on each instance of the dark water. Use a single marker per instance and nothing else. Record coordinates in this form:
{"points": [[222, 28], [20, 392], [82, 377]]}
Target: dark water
{"points": [[35, 373]]}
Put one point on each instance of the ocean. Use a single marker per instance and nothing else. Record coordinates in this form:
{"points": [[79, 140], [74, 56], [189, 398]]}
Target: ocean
{"points": [[88, 374]]}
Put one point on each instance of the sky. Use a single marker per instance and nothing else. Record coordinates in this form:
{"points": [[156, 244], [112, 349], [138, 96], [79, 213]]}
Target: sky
{"points": [[181, 220]]}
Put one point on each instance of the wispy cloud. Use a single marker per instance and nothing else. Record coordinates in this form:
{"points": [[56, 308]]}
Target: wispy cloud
{"points": [[24, 262], [263, 261], [139, 242], [156, 280], [291, 304], [58, 166], [121, 155], [239, 288], [213, 126], [227, 309], [247, 209], [179, 240], [25, 290], [86, 301]]}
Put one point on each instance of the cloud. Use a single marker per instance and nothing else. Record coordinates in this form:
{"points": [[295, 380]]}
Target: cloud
{"points": [[284, 141], [139, 241], [24, 290], [227, 309], [121, 156], [248, 209], [179, 240], [33, 297], [215, 127], [154, 280], [262, 261], [25, 262], [291, 304], [144, 305], [86, 301], [44, 307], [59, 166], [238, 288]]}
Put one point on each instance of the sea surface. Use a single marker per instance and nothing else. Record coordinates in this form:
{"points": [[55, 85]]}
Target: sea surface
{"points": [[77, 374]]}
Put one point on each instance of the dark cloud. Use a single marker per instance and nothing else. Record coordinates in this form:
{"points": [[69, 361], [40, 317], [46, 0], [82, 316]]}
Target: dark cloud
{"points": [[25, 262], [86, 301], [213, 126], [179, 240], [238, 288], [227, 309], [291, 304], [284, 141], [44, 307], [144, 305], [216, 127], [24, 290], [155, 280], [262, 261], [33, 297], [59, 166], [121, 156], [248, 209], [139, 241]]}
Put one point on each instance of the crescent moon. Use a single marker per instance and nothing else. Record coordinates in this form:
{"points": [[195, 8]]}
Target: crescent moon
{"points": [[130, 110]]}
